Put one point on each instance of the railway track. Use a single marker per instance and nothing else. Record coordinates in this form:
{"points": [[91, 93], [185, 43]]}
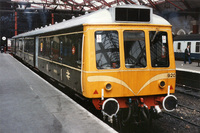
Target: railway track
{"points": [[187, 112], [185, 118], [189, 107], [194, 92], [182, 119], [189, 87]]}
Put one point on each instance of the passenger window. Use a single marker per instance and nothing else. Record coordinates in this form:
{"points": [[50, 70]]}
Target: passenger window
{"points": [[55, 48], [20, 45], [134, 49], [198, 47], [107, 49], [159, 49], [29, 45], [189, 44]]}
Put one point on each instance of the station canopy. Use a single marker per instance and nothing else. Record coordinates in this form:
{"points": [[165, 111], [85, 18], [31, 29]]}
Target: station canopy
{"points": [[92, 5]]}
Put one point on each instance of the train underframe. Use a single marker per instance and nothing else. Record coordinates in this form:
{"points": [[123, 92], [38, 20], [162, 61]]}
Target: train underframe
{"points": [[136, 110]]}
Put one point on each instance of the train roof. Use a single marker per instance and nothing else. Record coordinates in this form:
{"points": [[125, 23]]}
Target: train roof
{"points": [[104, 16], [191, 37]]}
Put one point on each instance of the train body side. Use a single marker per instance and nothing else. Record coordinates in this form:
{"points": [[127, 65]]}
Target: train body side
{"points": [[181, 42], [82, 74]]}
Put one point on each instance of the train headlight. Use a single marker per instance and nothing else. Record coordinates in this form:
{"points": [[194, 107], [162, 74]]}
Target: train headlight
{"points": [[108, 87], [162, 84]]}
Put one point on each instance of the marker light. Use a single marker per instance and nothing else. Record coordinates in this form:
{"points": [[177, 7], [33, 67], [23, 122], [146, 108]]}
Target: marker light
{"points": [[108, 87], [162, 84]]}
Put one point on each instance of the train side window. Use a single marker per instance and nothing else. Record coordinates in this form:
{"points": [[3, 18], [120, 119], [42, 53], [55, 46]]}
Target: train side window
{"points": [[189, 44], [107, 50], [51, 47], [134, 49], [47, 47], [21, 45], [44, 48], [29, 45], [179, 46], [40, 47], [198, 47], [61, 38], [159, 49], [55, 48], [72, 50]]}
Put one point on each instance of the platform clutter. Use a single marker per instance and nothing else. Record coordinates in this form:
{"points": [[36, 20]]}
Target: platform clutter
{"points": [[120, 58]]}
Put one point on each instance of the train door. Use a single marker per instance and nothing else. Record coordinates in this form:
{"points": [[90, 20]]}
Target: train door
{"points": [[71, 46], [158, 41], [159, 63], [61, 41], [36, 50], [54, 65], [135, 60]]}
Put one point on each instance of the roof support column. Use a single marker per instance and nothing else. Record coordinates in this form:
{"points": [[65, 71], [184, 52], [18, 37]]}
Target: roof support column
{"points": [[52, 18], [15, 23]]}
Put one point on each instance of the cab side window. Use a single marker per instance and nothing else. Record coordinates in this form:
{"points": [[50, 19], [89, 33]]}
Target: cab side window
{"points": [[159, 49]]}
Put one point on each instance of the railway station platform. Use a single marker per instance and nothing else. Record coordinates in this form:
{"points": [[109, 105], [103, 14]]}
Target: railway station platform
{"points": [[188, 74], [194, 68], [28, 104]]}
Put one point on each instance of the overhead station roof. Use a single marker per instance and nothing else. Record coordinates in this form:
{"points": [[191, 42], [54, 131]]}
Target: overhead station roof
{"points": [[85, 5], [91, 5], [103, 16]]}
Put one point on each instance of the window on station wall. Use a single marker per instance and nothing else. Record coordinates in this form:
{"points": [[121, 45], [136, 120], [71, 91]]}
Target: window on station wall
{"points": [[197, 47], [107, 50], [159, 49], [134, 49]]}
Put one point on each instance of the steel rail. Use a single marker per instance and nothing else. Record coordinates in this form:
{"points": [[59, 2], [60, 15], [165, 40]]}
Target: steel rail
{"points": [[191, 108], [189, 94], [174, 116]]}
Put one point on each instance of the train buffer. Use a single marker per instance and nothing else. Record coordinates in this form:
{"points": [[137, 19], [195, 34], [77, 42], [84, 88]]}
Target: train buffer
{"points": [[30, 104]]}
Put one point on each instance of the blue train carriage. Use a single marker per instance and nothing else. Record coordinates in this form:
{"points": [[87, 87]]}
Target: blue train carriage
{"points": [[182, 41]]}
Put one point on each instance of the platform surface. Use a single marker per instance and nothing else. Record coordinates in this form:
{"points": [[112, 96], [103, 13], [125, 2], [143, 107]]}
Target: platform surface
{"points": [[28, 104], [187, 67]]}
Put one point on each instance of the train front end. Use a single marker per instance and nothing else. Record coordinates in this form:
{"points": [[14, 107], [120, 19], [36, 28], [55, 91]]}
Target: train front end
{"points": [[129, 65]]}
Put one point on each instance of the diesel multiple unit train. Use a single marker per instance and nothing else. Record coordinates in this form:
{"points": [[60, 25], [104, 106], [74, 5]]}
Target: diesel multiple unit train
{"points": [[120, 58]]}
